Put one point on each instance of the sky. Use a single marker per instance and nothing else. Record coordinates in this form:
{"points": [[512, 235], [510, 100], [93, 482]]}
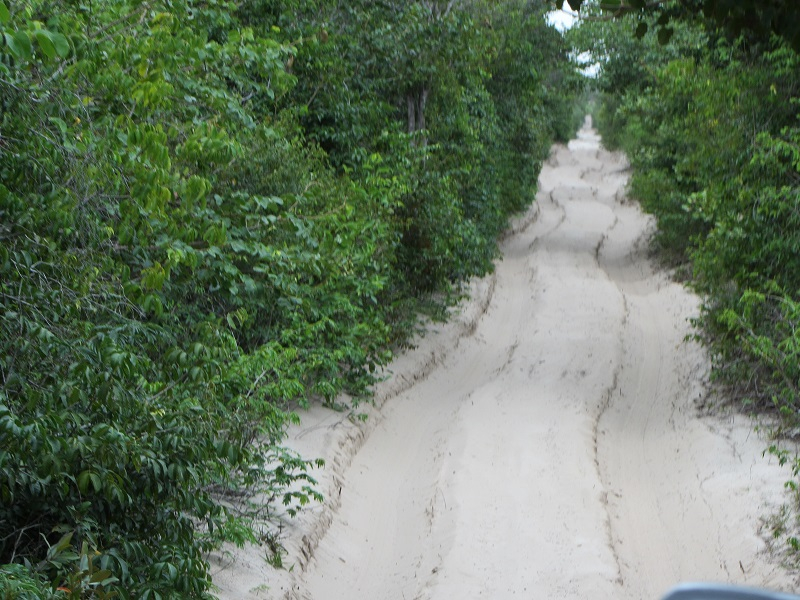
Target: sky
{"points": [[561, 19]]}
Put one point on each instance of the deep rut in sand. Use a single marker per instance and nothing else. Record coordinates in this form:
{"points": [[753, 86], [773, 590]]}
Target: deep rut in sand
{"points": [[555, 451]]}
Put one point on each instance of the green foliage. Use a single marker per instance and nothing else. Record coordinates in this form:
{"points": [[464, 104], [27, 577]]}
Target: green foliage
{"points": [[754, 20], [212, 213], [489, 115], [30, 40], [83, 577]]}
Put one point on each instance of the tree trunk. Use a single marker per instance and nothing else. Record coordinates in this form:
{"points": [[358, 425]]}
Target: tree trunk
{"points": [[416, 101]]}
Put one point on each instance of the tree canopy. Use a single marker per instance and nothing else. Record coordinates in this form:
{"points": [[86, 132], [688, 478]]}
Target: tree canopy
{"points": [[212, 214], [757, 19]]}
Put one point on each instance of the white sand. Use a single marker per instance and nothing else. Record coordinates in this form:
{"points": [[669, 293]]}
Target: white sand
{"points": [[546, 444]]}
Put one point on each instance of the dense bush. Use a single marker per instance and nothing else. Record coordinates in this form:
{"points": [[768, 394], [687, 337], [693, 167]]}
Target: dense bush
{"points": [[211, 213]]}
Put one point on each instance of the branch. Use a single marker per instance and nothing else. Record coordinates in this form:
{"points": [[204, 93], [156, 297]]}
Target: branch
{"points": [[449, 7]]}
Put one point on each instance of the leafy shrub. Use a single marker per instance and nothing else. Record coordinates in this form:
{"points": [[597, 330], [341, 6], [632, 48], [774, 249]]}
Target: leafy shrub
{"points": [[212, 213]]}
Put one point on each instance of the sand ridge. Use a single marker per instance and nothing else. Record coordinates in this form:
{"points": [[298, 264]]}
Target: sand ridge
{"points": [[546, 443]]}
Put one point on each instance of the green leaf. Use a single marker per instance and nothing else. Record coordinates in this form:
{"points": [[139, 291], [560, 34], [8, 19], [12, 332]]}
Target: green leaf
{"points": [[45, 43], [5, 16], [641, 30], [60, 123], [61, 44], [64, 542], [19, 44], [83, 482], [61, 546], [103, 576]]}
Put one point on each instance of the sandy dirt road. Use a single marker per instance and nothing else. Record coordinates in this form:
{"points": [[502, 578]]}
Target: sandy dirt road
{"points": [[547, 445]]}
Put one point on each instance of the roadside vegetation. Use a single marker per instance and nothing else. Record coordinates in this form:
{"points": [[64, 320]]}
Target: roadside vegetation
{"points": [[706, 108], [213, 213]]}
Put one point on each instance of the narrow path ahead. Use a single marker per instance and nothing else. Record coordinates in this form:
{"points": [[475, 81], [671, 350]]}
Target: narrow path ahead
{"points": [[557, 451]]}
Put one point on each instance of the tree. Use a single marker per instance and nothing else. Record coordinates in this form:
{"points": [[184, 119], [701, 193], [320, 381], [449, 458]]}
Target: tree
{"points": [[757, 19], [212, 214]]}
